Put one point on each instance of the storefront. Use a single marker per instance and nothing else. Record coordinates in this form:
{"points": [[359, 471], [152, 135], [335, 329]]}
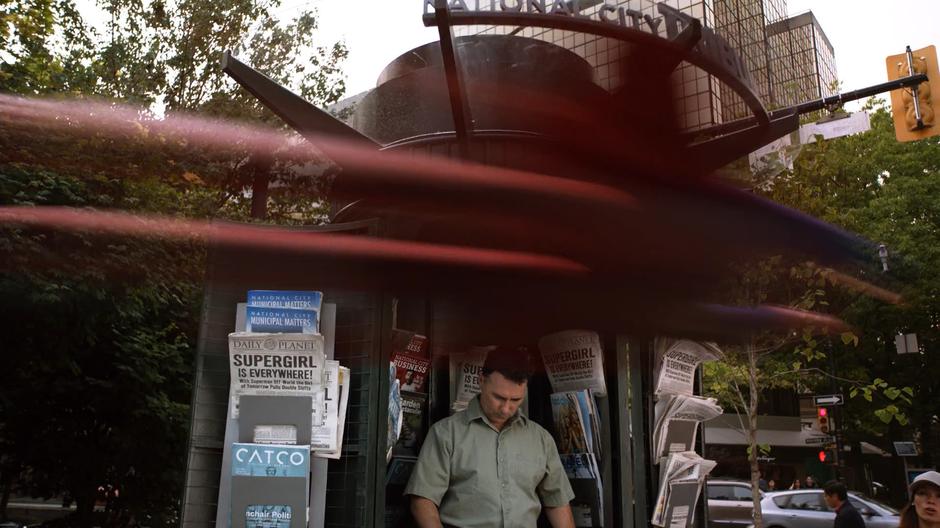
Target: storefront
{"points": [[495, 194]]}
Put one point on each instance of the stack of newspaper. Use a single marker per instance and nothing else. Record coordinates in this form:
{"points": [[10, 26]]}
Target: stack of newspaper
{"points": [[282, 354], [677, 416], [681, 480], [676, 422]]}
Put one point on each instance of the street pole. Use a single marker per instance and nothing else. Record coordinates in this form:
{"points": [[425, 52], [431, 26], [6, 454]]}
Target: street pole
{"points": [[837, 426]]}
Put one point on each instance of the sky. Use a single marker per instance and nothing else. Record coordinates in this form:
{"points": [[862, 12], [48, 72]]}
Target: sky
{"points": [[863, 33]]}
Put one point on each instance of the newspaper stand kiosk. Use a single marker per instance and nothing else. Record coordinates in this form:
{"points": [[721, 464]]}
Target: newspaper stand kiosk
{"points": [[523, 104]]}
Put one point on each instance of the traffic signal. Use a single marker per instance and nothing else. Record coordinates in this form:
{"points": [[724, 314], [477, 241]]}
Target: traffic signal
{"points": [[822, 420], [827, 456], [823, 455], [915, 116]]}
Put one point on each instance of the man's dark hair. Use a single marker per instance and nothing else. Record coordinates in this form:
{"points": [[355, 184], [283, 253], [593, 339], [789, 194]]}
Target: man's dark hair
{"points": [[834, 487], [510, 361]]}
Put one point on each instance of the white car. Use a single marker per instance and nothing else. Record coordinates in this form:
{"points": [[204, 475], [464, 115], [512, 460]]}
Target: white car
{"points": [[807, 508]]}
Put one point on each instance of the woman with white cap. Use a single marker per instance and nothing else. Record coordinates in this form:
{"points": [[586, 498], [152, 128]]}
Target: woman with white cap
{"points": [[924, 510]]}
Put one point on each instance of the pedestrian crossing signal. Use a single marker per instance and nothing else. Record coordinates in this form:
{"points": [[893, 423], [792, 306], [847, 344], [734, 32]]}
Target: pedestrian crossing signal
{"points": [[915, 110]]}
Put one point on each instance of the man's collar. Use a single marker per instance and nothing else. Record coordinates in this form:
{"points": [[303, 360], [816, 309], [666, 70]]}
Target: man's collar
{"points": [[475, 412]]}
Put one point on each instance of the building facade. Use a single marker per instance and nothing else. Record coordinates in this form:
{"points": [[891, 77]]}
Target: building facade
{"points": [[790, 59], [805, 58]]}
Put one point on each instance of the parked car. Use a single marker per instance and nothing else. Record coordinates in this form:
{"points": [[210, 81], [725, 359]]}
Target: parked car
{"points": [[729, 503], [807, 509]]}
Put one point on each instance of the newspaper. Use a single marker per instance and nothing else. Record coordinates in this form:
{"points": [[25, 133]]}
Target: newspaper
{"points": [[275, 365], [323, 437], [306, 303], [261, 319], [466, 372], [680, 485], [676, 361], [574, 360], [311, 300], [344, 383], [676, 422]]}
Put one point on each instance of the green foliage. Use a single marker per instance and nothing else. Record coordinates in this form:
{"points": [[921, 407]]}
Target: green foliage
{"points": [[888, 192], [100, 331]]}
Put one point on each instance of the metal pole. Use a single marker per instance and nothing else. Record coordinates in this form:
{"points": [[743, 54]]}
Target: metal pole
{"points": [[837, 425], [910, 71], [819, 104]]}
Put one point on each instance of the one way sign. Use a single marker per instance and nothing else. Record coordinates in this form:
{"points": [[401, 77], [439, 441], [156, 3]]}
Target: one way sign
{"points": [[828, 399]]}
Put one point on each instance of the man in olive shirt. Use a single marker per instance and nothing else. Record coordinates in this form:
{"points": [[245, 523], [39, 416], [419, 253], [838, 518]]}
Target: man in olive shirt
{"points": [[490, 466]]}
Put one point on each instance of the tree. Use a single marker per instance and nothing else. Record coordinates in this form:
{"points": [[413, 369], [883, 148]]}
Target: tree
{"points": [[101, 331], [888, 192]]}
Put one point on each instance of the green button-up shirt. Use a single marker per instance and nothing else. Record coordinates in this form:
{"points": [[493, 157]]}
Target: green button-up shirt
{"points": [[480, 477]]}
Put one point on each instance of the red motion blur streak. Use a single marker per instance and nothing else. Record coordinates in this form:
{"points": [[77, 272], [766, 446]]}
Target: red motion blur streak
{"points": [[363, 166], [313, 244], [861, 286]]}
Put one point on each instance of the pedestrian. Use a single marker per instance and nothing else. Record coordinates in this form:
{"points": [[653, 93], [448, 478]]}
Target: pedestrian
{"points": [[762, 482], [489, 465], [924, 508], [771, 485], [837, 498], [795, 485], [810, 482]]}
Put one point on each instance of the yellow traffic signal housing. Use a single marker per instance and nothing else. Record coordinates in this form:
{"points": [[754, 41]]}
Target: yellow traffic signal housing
{"points": [[905, 106]]}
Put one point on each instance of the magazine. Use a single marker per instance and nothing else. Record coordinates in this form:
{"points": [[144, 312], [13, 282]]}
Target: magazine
{"points": [[257, 470], [584, 476], [412, 372], [571, 436], [577, 422], [394, 411], [399, 470], [405, 342], [265, 460], [412, 424]]}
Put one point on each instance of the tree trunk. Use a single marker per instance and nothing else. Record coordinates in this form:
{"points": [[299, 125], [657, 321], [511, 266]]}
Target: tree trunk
{"points": [[261, 179], [752, 434]]}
